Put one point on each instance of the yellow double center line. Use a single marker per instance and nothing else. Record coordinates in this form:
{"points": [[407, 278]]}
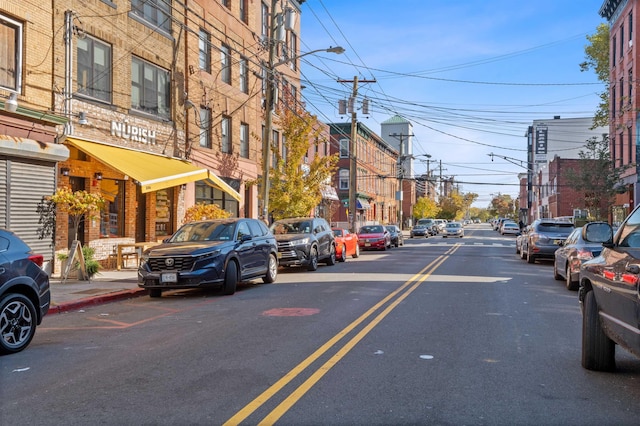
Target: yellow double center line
{"points": [[285, 405]]}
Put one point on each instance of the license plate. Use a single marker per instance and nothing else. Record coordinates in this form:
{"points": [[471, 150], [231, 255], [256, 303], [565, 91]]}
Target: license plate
{"points": [[279, 255], [169, 277], [367, 244], [557, 242]]}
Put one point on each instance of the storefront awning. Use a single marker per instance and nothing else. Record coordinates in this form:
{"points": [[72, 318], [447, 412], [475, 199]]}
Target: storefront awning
{"points": [[29, 148], [362, 204], [329, 193], [216, 182], [152, 171]]}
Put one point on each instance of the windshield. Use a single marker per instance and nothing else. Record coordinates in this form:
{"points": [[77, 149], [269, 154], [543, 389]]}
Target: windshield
{"points": [[204, 231], [371, 230], [298, 227], [337, 232]]}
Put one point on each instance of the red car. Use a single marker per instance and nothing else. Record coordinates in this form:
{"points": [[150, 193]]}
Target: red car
{"points": [[346, 244], [374, 237]]}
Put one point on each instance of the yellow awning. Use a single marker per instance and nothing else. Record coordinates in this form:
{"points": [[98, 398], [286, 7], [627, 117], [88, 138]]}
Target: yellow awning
{"points": [[151, 171], [218, 183]]}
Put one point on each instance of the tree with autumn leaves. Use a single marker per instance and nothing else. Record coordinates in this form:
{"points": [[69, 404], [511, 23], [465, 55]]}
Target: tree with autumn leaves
{"points": [[295, 186]]}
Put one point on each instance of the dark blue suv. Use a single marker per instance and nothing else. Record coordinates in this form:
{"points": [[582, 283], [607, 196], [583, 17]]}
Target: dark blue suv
{"points": [[24, 293]]}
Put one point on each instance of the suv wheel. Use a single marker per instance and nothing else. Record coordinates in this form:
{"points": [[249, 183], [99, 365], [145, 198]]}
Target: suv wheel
{"points": [[17, 323], [313, 259], [598, 351], [272, 270], [331, 260], [230, 279]]}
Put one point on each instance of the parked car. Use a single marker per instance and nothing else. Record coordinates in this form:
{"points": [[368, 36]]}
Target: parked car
{"points": [[430, 224], [24, 293], [374, 237], [608, 294], [577, 249], [210, 253], [346, 244], [419, 231], [453, 229], [304, 241], [543, 238], [440, 224], [510, 228], [396, 235]]}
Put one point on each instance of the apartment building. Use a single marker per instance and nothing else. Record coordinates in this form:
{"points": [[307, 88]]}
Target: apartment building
{"points": [[154, 105], [376, 176], [623, 99]]}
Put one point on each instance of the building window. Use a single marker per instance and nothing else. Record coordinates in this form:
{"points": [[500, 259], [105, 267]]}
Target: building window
{"points": [[264, 22], [621, 95], [630, 149], [614, 54], [630, 88], [94, 68], [621, 40], [204, 51], [225, 135], [630, 28], [225, 64], [343, 176], [284, 150], [275, 147], [244, 140], [293, 49], [344, 148], [263, 75], [613, 100], [206, 194], [10, 54], [149, 88], [205, 127], [244, 75], [226, 3], [244, 11], [621, 149], [112, 213], [156, 12]]}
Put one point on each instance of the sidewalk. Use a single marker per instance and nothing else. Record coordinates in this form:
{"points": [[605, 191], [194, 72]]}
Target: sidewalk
{"points": [[105, 286]]}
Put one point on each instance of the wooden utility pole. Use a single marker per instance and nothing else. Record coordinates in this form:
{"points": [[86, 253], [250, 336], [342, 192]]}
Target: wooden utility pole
{"points": [[353, 163]]}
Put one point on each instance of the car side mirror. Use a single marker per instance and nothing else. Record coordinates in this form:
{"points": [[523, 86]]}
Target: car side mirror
{"points": [[246, 237]]}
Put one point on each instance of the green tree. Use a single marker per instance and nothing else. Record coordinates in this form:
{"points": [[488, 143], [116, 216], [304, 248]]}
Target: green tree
{"points": [[452, 207], [78, 205], [502, 205], [295, 186], [597, 59], [596, 177], [424, 208]]}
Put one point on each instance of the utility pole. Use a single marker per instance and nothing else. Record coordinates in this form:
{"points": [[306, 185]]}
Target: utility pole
{"points": [[353, 163]]}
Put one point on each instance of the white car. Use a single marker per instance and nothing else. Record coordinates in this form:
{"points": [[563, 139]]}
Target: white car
{"points": [[453, 229], [510, 228]]}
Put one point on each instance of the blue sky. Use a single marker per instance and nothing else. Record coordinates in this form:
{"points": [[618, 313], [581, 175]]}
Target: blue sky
{"points": [[469, 75]]}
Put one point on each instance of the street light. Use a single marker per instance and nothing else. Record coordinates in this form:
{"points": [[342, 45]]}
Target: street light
{"points": [[268, 122]]}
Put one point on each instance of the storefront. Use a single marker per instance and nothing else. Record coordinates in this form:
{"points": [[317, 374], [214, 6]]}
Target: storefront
{"points": [[144, 193]]}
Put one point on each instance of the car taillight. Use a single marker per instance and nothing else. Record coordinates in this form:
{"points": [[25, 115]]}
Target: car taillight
{"points": [[38, 259], [584, 254]]}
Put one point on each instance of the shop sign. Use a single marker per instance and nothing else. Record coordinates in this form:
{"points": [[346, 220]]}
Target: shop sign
{"points": [[133, 133]]}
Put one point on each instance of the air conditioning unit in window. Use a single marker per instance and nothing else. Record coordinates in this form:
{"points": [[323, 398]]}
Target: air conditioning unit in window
{"points": [[630, 43]]}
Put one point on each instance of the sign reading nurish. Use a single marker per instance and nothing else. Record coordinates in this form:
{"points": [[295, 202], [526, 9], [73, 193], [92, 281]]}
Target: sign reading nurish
{"points": [[133, 133]]}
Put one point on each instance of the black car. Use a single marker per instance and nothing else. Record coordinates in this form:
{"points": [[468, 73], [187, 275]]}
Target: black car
{"points": [[304, 241], [543, 237], [24, 293], [219, 252], [396, 235], [609, 295]]}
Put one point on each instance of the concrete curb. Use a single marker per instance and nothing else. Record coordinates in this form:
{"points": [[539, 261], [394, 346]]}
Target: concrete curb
{"points": [[96, 300]]}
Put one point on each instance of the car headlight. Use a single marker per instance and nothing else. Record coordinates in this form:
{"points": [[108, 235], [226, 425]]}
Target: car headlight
{"points": [[300, 242]]}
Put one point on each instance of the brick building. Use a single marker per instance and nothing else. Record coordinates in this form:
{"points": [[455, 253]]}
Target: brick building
{"points": [[155, 105]]}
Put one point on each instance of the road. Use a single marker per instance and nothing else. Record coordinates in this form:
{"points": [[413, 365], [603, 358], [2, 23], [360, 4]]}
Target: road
{"points": [[438, 332]]}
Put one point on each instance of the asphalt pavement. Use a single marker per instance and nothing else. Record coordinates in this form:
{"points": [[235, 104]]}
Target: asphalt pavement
{"points": [[106, 286]]}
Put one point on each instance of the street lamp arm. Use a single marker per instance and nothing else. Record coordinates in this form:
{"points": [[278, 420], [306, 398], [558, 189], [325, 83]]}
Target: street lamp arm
{"points": [[337, 50]]}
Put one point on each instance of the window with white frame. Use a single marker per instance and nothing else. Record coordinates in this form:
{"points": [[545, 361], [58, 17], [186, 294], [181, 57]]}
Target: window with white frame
{"points": [[343, 178], [205, 127], [244, 75], [293, 49], [225, 134], [244, 11], [10, 54], [225, 64], [149, 88], [156, 12], [264, 23], [204, 51], [344, 148], [94, 68], [244, 140]]}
